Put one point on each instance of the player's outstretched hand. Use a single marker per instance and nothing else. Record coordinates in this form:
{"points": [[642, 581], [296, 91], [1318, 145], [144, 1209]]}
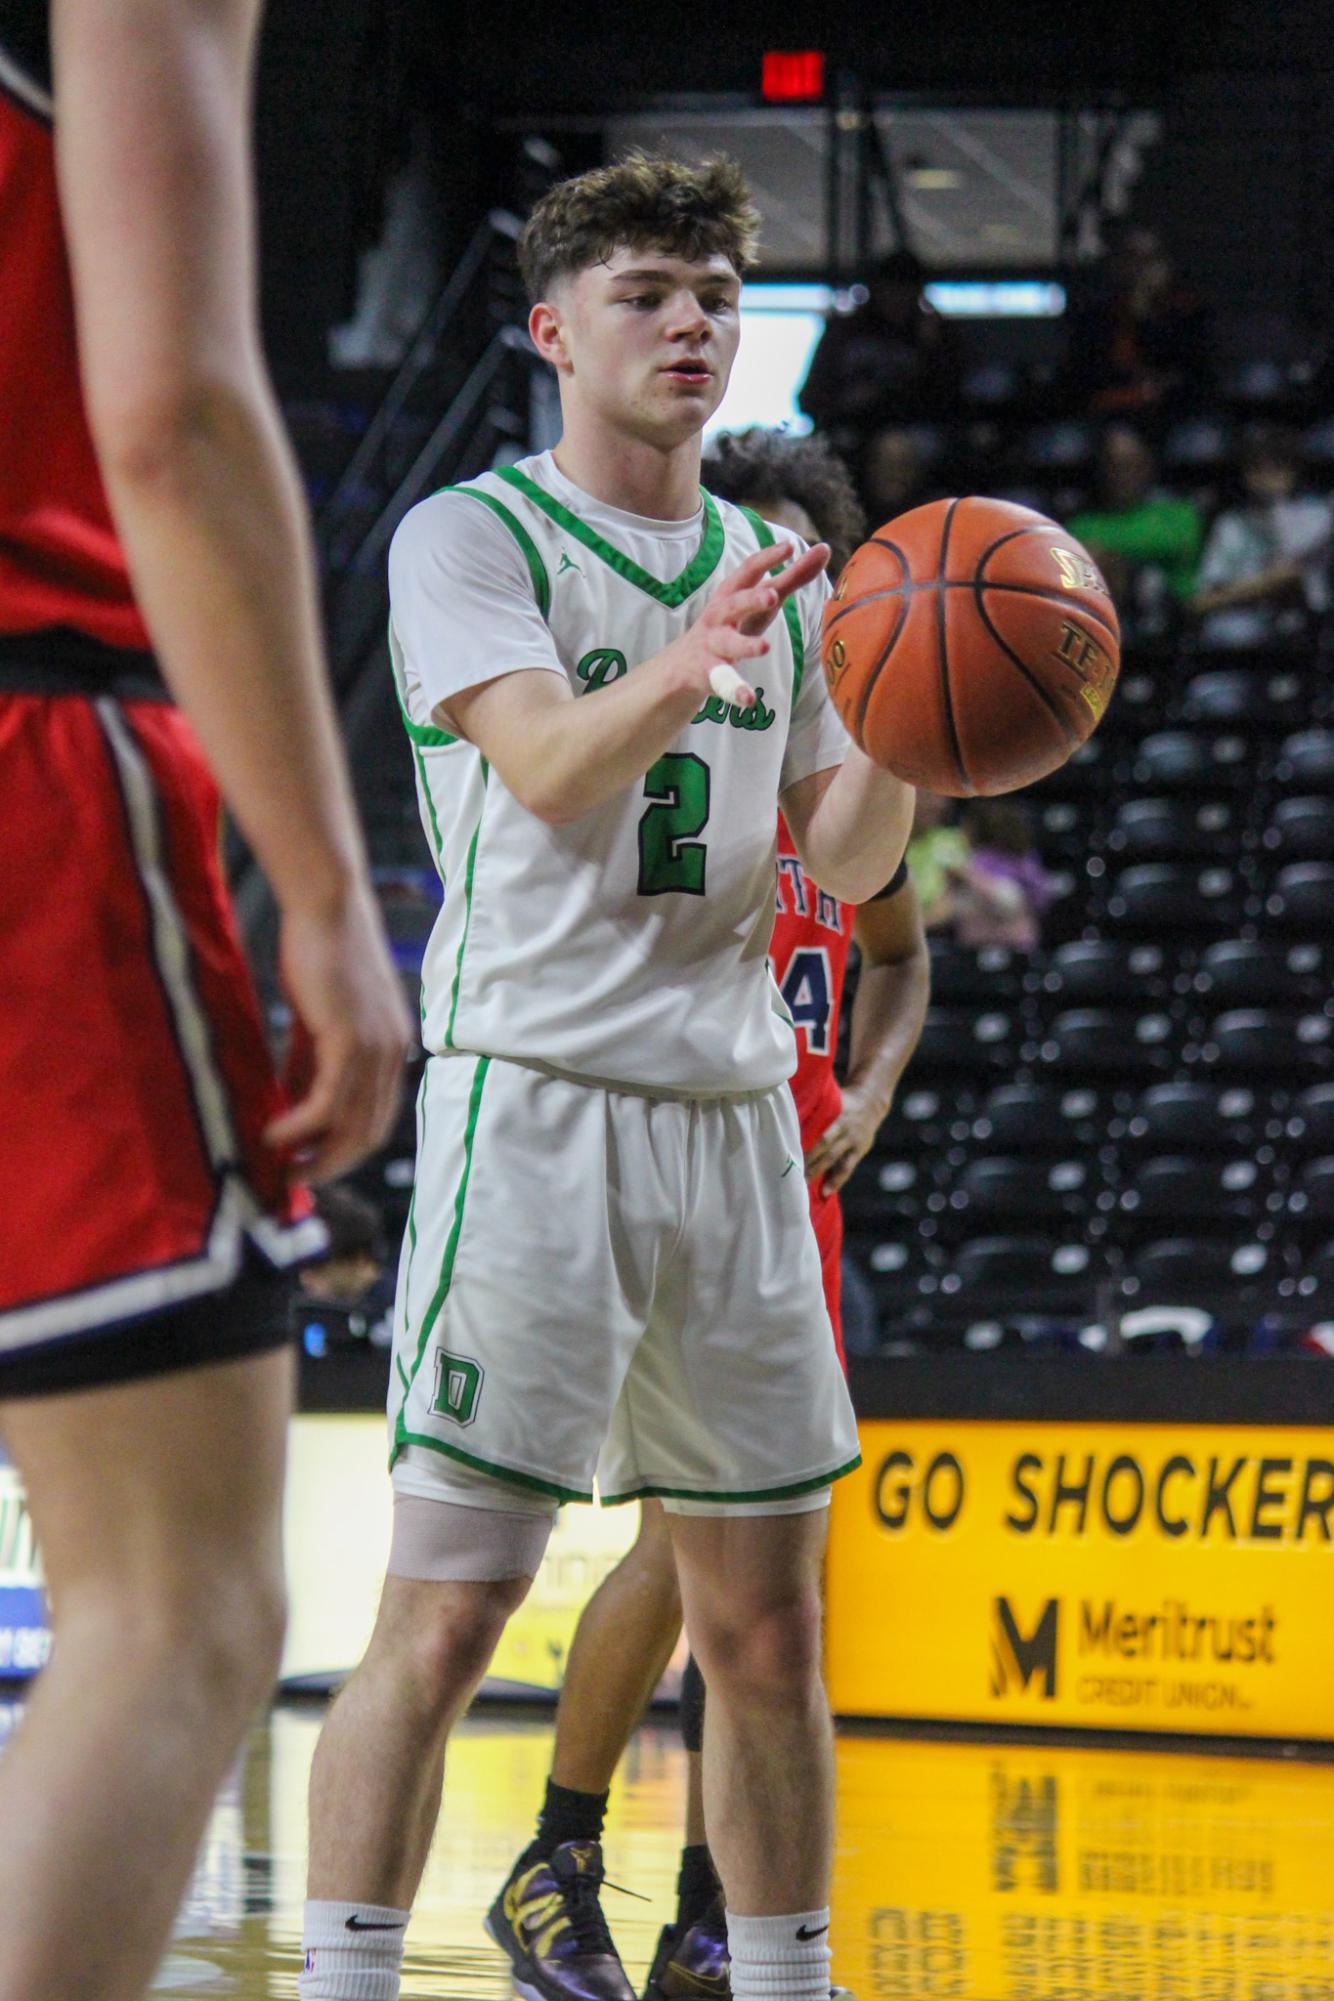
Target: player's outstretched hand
{"points": [[350, 1007], [746, 602]]}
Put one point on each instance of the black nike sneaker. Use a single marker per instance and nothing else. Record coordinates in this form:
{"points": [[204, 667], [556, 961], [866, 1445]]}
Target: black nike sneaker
{"points": [[692, 1963], [548, 1919]]}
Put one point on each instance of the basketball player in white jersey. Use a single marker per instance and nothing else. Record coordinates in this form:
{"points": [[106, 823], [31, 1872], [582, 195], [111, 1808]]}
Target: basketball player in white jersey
{"points": [[609, 1268]]}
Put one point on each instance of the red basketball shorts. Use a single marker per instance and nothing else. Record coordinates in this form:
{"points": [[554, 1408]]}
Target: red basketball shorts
{"points": [[135, 1082], [827, 1219]]}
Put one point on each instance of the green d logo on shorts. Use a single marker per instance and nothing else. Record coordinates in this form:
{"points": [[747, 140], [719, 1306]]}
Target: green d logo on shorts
{"points": [[458, 1384]]}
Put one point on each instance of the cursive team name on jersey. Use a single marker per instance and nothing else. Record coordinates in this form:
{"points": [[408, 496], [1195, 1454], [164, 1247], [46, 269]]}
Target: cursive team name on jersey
{"points": [[605, 664]]}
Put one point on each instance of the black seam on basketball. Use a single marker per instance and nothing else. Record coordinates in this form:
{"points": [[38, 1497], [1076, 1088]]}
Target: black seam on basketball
{"points": [[1072, 736], [877, 670], [882, 542], [970, 583], [1051, 597], [946, 693], [1012, 535], [869, 597]]}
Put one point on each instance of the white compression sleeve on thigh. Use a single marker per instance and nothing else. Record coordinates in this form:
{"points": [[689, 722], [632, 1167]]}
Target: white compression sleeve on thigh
{"points": [[440, 1542], [353, 1952], [780, 1959]]}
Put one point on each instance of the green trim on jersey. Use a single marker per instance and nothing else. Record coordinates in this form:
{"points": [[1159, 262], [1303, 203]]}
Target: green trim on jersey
{"points": [[784, 1493], [412, 1205], [765, 536], [425, 734], [430, 808], [537, 569], [422, 736], [446, 1279], [504, 1473], [468, 869], [698, 571]]}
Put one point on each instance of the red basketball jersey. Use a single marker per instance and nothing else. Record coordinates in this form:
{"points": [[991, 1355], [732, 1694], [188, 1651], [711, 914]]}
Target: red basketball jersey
{"points": [[61, 563], [809, 956]]}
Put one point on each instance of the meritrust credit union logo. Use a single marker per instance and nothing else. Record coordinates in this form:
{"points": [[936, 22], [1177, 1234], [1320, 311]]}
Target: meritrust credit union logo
{"points": [[1022, 1657]]}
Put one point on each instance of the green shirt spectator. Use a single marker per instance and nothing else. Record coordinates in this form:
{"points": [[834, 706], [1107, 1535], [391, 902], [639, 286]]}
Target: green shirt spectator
{"points": [[1161, 529], [1146, 542]]}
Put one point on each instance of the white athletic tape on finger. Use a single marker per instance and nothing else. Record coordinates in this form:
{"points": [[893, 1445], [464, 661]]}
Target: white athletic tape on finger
{"points": [[726, 683]]}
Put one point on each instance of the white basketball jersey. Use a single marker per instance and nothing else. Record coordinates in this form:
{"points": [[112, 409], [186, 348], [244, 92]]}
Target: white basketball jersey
{"points": [[629, 946]]}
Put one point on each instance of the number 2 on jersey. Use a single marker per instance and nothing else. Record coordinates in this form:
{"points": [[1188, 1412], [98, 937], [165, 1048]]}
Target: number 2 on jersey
{"points": [[669, 857]]}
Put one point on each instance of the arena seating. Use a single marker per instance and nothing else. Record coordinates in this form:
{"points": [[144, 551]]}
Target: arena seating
{"points": [[1137, 1120]]}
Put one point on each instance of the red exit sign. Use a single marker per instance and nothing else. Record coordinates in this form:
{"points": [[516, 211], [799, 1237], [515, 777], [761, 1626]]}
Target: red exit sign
{"points": [[792, 76]]}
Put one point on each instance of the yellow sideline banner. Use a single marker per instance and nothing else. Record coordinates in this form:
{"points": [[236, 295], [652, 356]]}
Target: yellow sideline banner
{"points": [[1119, 1577]]}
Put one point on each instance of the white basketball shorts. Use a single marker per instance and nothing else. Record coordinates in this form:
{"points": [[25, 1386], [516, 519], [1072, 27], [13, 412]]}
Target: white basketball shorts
{"points": [[595, 1283]]}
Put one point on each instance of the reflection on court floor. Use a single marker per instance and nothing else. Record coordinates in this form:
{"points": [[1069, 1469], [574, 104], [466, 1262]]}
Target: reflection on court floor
{"points": [[981, 1872]]}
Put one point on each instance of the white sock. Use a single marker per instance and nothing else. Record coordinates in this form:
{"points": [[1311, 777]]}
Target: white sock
{"points": [[779, 1959], [354, 1952]]}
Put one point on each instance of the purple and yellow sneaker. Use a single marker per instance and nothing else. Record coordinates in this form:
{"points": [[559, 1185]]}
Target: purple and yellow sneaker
{"points": [[692, 1962], [548, 1919]]}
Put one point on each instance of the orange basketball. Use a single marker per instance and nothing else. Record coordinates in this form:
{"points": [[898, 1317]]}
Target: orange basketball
{"points": [[971, 646]]}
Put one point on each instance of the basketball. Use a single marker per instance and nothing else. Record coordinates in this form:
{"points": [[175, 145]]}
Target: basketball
{"points": [[971, 646]]}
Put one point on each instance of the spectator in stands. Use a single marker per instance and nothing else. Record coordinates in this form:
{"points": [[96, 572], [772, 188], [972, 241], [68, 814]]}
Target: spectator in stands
{"points": [[938, 853], [893, 474], [1142, 340], [1146, 541], [1264, 576], [892, 358], [1000, 892]]}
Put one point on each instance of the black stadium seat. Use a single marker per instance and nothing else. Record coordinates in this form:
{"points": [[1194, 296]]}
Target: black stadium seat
{"points": [[1008, 1188], [962, 1039], [1188, 1268], [1038, 1119], [1040, 1272], [1261, 972], [1192, 761], [1301, 898], [1170, 897], [1104, 971], [1306, 761], [1195, 1117], [1247, 697], [1301, 829], [1198, 1189], [1175, 829], [1198, 445], [1280, 1044], [983, 978], [1106, 1042]]}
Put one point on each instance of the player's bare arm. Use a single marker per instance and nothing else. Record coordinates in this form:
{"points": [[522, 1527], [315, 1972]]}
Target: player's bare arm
{"points": [[850, 824], [888, 1010], [561, 760], [152, 155]]}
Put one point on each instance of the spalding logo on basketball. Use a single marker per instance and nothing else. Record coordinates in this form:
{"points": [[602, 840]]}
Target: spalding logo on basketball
{"points": [[971, 646]]}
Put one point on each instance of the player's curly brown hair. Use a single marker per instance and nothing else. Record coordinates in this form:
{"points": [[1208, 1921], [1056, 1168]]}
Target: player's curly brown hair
{"points": [[760, 466], [641, 202]]}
